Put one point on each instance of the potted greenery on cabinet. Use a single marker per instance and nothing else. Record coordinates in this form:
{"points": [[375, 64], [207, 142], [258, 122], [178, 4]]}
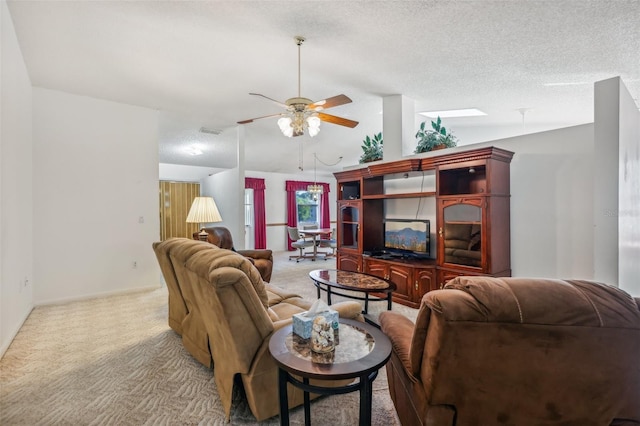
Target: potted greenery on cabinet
{"points": [[371, 148], [438, 138]]}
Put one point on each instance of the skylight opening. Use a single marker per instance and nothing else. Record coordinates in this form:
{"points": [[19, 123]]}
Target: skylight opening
{"points": [[453, 113]]}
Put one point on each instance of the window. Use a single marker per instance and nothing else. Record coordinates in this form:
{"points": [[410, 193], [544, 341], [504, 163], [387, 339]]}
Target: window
{"points": [[308, 209]]}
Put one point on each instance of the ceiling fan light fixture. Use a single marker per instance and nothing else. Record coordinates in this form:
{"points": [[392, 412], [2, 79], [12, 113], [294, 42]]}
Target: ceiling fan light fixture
{"points": [[285, 126], [303, 113], [313, 125]]}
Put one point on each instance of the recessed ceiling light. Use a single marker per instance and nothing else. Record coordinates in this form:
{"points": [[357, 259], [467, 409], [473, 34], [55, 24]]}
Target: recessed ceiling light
{"points": [[467, 112], [192, 150]]}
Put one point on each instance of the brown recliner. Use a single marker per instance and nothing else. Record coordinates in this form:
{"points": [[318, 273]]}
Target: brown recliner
{"points": [[226, 315], [517, 351], [261, 259]]}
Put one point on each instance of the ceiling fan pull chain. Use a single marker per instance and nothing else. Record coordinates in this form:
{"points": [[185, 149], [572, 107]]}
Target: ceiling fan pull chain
{"points": [[300, 157]]}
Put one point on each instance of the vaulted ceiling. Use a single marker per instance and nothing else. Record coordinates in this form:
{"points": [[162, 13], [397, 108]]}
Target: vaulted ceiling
{"points": [[530, 65]]}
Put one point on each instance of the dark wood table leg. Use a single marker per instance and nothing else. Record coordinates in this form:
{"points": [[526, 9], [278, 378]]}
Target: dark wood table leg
{"points": [[366, 394], [283, 378], [328, 295], [389, 301], [307, 405], [318, 289], [366, 302]]}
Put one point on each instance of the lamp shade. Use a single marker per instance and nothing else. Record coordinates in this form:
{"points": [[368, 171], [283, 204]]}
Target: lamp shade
{"points": [[203, 210]]}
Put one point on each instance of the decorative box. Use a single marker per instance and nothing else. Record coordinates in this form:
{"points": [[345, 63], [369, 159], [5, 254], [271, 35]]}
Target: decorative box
{"points": [[303, 323]]}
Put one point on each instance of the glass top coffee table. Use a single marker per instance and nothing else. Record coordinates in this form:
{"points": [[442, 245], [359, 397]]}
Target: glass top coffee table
{"points": [[360, 351], [330, 280]]}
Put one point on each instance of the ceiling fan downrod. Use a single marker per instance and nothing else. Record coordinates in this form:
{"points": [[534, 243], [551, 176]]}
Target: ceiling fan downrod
{"points": [[299, 41]]}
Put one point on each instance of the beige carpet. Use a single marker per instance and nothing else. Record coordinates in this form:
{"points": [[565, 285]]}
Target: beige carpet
{"points": [[114, 361]]}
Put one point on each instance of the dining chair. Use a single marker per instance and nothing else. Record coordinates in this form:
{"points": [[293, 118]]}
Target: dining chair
{"points": [[299, 243]]}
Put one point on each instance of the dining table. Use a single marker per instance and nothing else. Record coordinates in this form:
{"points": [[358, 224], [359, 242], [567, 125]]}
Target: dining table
{"points": [[314, 234]]}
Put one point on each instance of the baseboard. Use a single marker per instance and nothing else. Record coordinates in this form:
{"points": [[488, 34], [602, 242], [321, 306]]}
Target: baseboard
{"points": [[97, 295], [15, 332]]}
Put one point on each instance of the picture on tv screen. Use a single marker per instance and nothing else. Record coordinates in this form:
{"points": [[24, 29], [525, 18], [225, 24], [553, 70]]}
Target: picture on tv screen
{"points": [[407, 235]]}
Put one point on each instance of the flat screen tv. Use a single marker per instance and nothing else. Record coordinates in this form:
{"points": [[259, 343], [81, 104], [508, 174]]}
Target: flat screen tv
{"points": [[407, 236]]}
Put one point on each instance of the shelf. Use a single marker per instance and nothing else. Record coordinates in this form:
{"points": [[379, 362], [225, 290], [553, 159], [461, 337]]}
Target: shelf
{"points": [[405, 195]]}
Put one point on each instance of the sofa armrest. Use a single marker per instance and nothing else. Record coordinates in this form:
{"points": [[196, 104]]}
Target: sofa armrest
{"points": [[257, 254], [262, 260], [400, 330]]}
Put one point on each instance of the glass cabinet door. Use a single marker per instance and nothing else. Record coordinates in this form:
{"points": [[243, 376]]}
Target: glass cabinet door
{"points": [[349, 227], [462, 234]]}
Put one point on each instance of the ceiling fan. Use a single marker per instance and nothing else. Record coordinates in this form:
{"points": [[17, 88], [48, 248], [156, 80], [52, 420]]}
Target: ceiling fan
{"points": [[303, 113]]}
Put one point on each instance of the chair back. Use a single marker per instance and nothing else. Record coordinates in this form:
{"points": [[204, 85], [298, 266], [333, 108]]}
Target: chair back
{"points": [[294, 234], [220, 236]]}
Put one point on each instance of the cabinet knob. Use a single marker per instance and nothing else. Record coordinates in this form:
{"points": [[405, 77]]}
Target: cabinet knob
{"points": [[440, 232], [416, 285]]}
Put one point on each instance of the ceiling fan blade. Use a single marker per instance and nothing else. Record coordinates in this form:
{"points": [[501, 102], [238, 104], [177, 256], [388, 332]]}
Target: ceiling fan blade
{"points": [[251, 120], [272, 100], [329, 103], [337, 120]]}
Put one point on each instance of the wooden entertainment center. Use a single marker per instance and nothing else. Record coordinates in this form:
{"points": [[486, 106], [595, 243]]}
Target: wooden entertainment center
{"points": [[465, 196]]}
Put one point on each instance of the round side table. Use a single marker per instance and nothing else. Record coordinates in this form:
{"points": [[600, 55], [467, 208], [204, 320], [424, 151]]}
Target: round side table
{"points": [[361, 349]]}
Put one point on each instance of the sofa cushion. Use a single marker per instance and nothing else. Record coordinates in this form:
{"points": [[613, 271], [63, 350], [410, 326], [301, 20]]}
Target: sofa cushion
{"points": [[276, 295]]}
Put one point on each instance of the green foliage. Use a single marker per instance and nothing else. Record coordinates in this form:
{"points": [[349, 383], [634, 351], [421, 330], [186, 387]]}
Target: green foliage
{"points": [[372, 148], [307, 206], [305, 213], [429, 139]]}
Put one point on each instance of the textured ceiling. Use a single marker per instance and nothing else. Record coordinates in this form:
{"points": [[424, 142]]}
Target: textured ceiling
{"points": [[196, 62]]}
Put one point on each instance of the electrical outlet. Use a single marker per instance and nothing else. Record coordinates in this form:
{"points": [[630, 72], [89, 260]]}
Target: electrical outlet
{"points": [[135, 264], [141, 219]]}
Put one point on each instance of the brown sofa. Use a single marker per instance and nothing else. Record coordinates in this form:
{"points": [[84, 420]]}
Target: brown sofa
{"points": [[221, 237], [226, 315], [516, 351]]}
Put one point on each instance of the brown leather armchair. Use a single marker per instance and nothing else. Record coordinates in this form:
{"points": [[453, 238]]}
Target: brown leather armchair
{"points": [[517, 351], [261, 259]]}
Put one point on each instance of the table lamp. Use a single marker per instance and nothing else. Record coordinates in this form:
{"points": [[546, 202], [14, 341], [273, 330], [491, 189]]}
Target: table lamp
{"points": [[203, 210]]}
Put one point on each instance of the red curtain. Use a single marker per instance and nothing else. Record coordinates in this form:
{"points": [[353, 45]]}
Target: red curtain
{"points": [[294, 185], [260, 229]]}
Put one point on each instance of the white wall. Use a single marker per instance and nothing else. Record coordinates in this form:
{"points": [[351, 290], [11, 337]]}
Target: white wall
{"points": [[552, 203], [227, 189], [629, 193], [16, 205], [181, 173], [95, 196], [605, 180]]}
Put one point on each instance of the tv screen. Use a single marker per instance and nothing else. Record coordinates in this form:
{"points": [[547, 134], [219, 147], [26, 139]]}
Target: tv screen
{"points": [[406, 235]]}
